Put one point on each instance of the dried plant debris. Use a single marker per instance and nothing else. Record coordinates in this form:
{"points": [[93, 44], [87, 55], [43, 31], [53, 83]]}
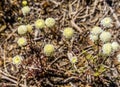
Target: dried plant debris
{"points": [[59, 43]]}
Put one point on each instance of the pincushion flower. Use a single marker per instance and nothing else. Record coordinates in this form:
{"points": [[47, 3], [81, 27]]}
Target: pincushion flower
{"points": [[105, 36], [17, 59], [68, 32], [22, 41], [93, 37], [50, 22], [22, 29], [73, 59], [49, 49], [96, 30], [40, 23], [106, 22], [24, 2], [25, 10], [115, 46], [107, 49]]}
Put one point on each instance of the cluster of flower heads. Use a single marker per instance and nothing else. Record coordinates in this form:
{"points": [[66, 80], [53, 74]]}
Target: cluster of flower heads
{"points": [[22, 30], [105, 36], [49, 49], [40, 23], [68, 33]]}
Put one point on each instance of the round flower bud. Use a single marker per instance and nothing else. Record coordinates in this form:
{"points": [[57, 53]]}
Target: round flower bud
{"points": [[106, 22], [115, 46], [22, 29], [40, 23], [68, 32], [24, 2], [17, 59], [25, 10], [73, 59], [96, 30], [93, 37], [29, 28], [105, 36], [50, 22], [48, 49], [107, 49], [22, 41], [118, 57]]}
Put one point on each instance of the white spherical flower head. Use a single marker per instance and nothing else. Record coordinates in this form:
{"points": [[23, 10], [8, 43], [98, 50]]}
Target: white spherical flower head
{"points": [[50, 22], [118, 57], [107, 49], [105, 36], [115, 46], [49, 49], [22, 41], [25, 10], [106, 22], [68, 32], [73, 59], [17, 59], [40, 23], [22, 29], [96, 30], [93, 37]]}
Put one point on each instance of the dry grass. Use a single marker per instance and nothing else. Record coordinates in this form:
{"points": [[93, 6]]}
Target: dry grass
{"points": [[37, 70]]}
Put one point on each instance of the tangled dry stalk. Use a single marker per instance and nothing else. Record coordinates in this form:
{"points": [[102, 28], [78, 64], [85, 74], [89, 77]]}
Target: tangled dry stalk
{"points": [[37, 70]]}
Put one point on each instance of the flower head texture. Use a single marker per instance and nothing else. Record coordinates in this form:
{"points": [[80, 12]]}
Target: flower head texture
{"points": [[49, 49], [40, 23], [17, 59], [22, 29], [22, 41], [50, 22], [107, 49], [73, 59], [93, 37], [106, 22], [25, 10], [24, 2], [68, 32], [105, 36], [96, 30], [115, 46]]}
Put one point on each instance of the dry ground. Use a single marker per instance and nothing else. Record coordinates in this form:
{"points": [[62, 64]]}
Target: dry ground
{"points": [[38, 70]]}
